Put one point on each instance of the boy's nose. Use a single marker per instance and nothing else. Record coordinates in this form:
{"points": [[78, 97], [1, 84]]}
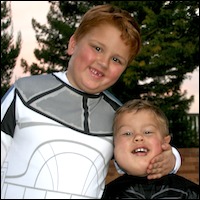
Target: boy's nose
{"points": [[103, 61], [138, 138]]}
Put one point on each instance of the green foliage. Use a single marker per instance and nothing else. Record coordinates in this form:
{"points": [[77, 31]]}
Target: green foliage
{"points": [[170, 35], [9, 51], [53, 37]]}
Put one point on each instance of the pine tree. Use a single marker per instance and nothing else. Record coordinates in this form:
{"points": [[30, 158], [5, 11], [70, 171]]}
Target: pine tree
{"points": [[53, 37], [170, 35], [9, 51]]}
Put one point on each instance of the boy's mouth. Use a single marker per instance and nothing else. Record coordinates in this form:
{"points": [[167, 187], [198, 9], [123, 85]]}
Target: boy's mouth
{"points": [[140, 151], [96, 72]]}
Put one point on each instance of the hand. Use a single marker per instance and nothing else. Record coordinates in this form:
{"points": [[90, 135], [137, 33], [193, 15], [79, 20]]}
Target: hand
{"points": [[161, 164]]}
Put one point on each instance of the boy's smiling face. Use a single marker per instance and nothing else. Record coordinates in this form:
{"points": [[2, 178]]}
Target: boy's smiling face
{"points": [[138, 137], [97, 59]]}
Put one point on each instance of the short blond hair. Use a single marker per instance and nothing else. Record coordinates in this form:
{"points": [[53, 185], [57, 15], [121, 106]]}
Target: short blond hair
{"points": [[121, 19], [138, 105]]}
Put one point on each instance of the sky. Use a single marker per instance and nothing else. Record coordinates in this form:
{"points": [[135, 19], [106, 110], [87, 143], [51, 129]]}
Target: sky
{"points": [[22, 14]]}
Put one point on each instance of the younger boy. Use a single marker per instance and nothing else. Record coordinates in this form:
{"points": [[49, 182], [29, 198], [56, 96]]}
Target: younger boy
{"points": [[140, 129]]}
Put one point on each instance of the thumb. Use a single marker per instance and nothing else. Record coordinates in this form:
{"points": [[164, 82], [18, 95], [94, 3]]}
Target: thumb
{"points": [[166, 146]]}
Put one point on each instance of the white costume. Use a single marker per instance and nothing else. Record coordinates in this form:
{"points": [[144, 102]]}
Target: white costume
{"points": [[56, 141]]}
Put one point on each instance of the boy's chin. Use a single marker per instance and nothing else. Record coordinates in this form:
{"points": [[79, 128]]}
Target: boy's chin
{"points": [[141, 168], [142, 174]]}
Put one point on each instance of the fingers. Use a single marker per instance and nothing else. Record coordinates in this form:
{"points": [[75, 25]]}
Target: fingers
{"points": [[154, 176], [155, 171], [157, 159], [161, 164], [155, 168]]}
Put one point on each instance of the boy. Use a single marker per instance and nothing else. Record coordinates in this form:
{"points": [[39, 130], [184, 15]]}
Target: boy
{"points": [[56, 129], [140, 129]]}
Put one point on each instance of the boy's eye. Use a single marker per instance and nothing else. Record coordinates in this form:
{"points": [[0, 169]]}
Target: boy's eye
{"points": [[148, 132], [98, 48], [127, 133], [116, 60]]}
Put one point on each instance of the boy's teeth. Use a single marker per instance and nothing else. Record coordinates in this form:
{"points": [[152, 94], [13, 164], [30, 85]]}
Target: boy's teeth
{"points": [[96, 72], [140, 150]]}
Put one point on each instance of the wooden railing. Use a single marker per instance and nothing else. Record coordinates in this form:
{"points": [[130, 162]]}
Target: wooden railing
{"points": [[194, 121]]}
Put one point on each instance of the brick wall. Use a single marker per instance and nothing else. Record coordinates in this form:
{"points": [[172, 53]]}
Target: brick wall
{"points": [[190, 164], [189, 167]]}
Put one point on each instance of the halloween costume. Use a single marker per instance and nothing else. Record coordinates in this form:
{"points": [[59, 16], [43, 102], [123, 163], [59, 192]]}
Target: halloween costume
{"points": [[61, 139], [170, 186]]}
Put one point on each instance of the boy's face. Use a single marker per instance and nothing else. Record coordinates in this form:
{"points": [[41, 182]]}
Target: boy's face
{"points": [[137, 140], [98, 59]]}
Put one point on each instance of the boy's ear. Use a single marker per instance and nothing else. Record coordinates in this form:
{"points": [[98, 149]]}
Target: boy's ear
{"points": [[71, 45], [167, 139]]}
